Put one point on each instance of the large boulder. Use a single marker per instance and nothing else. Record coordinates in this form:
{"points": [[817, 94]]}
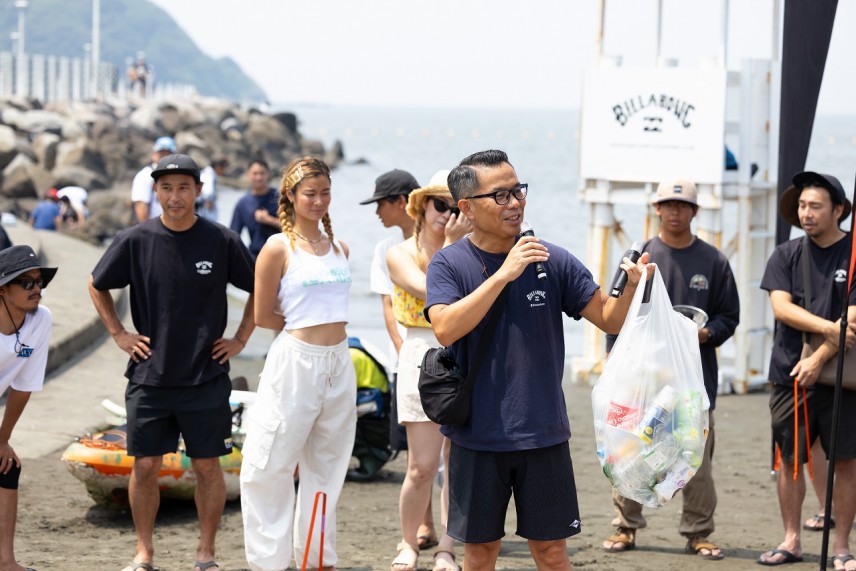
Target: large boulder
{"points": [[77, 176], [45, 146], [17, 180], [8, 145], [81, 153]]}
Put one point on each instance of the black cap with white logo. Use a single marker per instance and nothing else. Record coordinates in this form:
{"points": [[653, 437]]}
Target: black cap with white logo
{"points": [[176, 164]]}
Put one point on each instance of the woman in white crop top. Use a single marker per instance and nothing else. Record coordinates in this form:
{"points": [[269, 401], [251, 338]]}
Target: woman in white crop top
{"points": [[305, 411]]}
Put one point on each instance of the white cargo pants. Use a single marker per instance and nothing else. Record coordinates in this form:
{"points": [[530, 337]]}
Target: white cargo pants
{"points": [[304, 414]]}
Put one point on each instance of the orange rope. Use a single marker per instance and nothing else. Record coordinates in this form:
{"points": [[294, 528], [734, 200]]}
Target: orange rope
{"points": [[807, 437], [797, 433], [796, 430]]}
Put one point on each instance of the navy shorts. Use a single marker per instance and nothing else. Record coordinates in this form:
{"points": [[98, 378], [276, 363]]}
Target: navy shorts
{"points": [[541, 480], [200, 414], [819, 400], [9, 480]]}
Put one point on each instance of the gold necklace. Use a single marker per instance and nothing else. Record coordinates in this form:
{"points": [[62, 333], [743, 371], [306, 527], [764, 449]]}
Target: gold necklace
{"points": [[310, 242]]}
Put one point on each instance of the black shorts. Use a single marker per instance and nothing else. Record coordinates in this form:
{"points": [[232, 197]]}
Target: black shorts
{"points": [[542, 481], [200, 414], [819, 400], [9, 480]]}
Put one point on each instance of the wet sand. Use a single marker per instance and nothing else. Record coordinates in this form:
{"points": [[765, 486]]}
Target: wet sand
{"points": [[59, 524]]}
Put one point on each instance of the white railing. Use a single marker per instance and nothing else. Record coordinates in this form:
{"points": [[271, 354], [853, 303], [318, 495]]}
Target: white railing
{"points": [[60, 78]]}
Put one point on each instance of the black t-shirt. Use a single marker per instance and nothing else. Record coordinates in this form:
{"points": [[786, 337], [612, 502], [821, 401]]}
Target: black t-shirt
{"points": [[784, 273], [699, 275], [178, 295]]}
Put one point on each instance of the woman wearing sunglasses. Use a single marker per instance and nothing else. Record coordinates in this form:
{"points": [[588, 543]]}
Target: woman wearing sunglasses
{"points": [[438, 224]]}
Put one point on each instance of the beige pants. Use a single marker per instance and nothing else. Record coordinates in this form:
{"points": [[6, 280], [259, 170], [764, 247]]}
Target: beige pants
{"points": [[699, 500]]}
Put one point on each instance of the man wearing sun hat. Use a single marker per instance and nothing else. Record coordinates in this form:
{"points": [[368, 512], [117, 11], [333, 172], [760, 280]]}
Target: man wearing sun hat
{"points": [[816, 203], [178, 266], [25, 330], [696, 274], [145, 203]]}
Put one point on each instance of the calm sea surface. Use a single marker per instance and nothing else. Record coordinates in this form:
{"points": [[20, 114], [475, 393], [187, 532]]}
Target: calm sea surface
{"points": [[542, 145]]}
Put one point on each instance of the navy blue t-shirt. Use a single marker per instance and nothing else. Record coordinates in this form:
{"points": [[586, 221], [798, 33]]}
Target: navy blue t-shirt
{"points": [[784, 273], [244, 216], [178, 295], [517, 399]]}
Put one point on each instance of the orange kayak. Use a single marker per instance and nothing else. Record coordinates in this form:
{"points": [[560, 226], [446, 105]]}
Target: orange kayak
{"points": [[102, 463]]}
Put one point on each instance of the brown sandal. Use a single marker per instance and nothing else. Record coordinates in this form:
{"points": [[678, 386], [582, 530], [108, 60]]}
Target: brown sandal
{"points": [[696, 544], [625, 536]]}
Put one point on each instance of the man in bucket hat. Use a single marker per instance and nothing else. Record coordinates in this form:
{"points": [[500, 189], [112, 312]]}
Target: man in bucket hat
{"points": [[817, 204], [25, 330], [178, 266]]}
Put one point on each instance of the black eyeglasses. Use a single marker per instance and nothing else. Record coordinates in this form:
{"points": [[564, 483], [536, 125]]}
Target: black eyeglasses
{"points": [[503, 196], [29, 283], [442, 206]]}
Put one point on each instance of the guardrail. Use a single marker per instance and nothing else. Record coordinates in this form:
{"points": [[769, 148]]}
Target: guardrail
{"points": [[61, 78]]}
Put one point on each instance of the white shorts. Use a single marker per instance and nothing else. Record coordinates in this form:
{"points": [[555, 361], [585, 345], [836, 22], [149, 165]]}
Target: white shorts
{"points": [[417, 342]]}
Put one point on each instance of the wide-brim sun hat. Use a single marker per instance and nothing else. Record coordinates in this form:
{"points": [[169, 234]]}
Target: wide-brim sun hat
{"points": [[789, 204], [16, 260], [438, 186]]}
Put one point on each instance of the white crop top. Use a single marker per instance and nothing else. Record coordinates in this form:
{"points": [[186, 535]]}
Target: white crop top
{"points": [[314, 289]]}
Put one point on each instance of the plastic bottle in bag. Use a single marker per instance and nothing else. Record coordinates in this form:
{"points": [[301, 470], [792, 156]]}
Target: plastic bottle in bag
{"points": [[676, 478], [633, 478], [689, 427], [658, 415]]}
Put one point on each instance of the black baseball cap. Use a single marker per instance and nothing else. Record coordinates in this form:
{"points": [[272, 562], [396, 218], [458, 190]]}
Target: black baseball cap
{"points": [[176, 164], [393, 183], [789, 204]]}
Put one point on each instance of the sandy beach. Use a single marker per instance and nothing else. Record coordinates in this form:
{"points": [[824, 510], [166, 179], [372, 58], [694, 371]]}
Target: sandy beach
{"points": [[59, 524]]}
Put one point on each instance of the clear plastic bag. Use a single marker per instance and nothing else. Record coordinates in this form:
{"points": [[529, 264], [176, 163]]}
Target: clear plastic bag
{"points": [[650, 405]]}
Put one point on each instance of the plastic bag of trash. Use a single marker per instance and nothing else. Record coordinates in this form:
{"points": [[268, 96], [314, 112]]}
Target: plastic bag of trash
{"points": [[650, 406]]}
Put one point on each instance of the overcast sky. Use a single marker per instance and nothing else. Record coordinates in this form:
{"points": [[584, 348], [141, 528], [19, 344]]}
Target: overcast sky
{"points": [[479, 53]]}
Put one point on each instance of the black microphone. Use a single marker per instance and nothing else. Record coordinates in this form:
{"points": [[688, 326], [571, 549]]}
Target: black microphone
{"points": [[539, 266], [620, 279]]}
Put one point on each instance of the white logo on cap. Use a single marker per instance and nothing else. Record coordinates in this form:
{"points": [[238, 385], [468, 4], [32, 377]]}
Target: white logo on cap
{"points": [[171, 166], [678, 189]]}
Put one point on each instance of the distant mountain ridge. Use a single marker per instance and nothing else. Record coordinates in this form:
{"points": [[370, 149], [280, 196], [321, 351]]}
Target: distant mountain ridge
{"points": [[62, 27]]}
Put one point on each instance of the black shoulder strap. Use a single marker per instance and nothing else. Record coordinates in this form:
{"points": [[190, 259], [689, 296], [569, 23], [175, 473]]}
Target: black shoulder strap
{"points": [[481, 350]]}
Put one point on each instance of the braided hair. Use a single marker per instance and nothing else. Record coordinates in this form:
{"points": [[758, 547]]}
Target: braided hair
{"points": [[296, 171]]}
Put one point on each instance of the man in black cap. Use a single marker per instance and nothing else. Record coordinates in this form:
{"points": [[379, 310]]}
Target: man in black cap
{"points": [[25, 330], [178, 266], [817, 204]]}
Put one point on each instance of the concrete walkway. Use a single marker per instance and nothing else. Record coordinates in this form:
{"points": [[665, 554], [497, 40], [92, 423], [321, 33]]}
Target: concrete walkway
{"points": [[84, 365]]}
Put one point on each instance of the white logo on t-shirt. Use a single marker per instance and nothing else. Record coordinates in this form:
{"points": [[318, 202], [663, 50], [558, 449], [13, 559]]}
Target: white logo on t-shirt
{"points": [[204, 267], [840, 276], [537, 297]]}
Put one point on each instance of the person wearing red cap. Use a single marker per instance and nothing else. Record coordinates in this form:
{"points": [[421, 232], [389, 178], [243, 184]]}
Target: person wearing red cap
{"points": [[816, 203], [25, 330], [46, 214]]}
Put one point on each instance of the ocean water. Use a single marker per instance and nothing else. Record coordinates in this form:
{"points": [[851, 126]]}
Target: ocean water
{"points": [[543, 146]]}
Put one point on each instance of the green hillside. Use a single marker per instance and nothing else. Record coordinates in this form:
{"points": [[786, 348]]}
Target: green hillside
{"points": [[62, 27]]}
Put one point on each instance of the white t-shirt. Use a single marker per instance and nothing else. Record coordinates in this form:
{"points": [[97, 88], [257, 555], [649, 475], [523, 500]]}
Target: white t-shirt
{"points": [[142, 190], [208, 177], [379, 276], [26, 373], [380, 283]]}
